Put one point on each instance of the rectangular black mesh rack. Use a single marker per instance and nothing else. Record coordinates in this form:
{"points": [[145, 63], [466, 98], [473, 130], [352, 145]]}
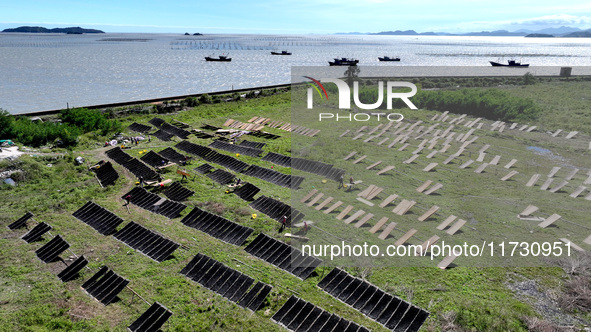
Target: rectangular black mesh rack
{"points": [[220, 176], [97, 217], [388, 310], [277, 210], [21, 222], [227, 282], [152, 319], [105, 285], [106, 174], [36, 233], [255, 145], [163, 135], [247, 191], [52, 249], [154, 203], [302, 316], [177, 192], [154, 159], [283, 256], [247, 151], [72, 270], [172, 155], [146, 241], [216, 226], [140, 128]]}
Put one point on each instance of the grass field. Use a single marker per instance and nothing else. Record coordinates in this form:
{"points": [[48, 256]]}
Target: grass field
{"points": [[463, 298]]}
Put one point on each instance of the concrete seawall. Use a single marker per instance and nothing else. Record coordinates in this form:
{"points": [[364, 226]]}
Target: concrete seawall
{"points": [[157, 100]]}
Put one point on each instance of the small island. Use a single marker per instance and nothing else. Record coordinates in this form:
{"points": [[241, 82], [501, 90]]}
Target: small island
{"points": [[70, 30], [539, 35]]}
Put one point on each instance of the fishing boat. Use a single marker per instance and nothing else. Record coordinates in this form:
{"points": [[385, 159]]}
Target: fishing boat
{"points": [[220, 58], [281, 53], [510, 63], [343, 62], [387, 58]]}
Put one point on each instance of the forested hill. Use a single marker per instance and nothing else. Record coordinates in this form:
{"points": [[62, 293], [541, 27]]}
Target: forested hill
{"points": [[73, 30]]}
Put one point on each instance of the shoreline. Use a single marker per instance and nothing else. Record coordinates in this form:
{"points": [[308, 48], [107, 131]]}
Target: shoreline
{"points": [[155, 100]]}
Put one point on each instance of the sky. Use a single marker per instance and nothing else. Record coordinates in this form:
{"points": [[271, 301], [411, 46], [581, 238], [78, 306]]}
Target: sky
{"points": [[296, 16]]}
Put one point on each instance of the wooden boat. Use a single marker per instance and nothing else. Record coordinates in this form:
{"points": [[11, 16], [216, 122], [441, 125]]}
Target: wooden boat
{"points": [[281, 53], [343, 62], [220, 58], [510, 63], [387, 58]]}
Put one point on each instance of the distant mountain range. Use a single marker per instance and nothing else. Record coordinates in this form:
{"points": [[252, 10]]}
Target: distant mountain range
{"points": [[70, 30], [551, 32]]}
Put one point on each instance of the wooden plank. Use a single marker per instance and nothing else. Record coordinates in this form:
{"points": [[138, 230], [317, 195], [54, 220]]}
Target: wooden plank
{"points": [[418, 150], [447, 261], [424, 186], [587, 239], [571, 134], [549, 221], [378, 225], [529, 210], [333, 207], [433, 153], [467, 163], [495, 160], [405, 237], [374, 165], [446, 222], [530, 129], [588, 180], [433, 189], [403, 147], [363, 220], [345, 212], [374, 193], [350, 155], [449, 159], [572, 174], [554, 171], [354, 216], [360, 159], [383, 141], [361, 129], [367, 190], [534, 178], [578, 191], [345, 132], [513, 125], [387, 231], [510, 164], [398, 207], [430, 167], [547, 183], [324, 203], [427, 244], [559, 186], [484, 148], [308, 195], [411, 159], [509, 175], [556, 133], [572, 245], [357, 136], [402, 211], [365, 201], [445, 148], [429, 213], [481, 157], [386, 169], [315, 199], [481, 168], [456, 227], [388, 200]]}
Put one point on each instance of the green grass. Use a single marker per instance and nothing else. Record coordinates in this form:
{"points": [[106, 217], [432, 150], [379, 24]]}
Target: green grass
{"points": [[33, 299]]}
